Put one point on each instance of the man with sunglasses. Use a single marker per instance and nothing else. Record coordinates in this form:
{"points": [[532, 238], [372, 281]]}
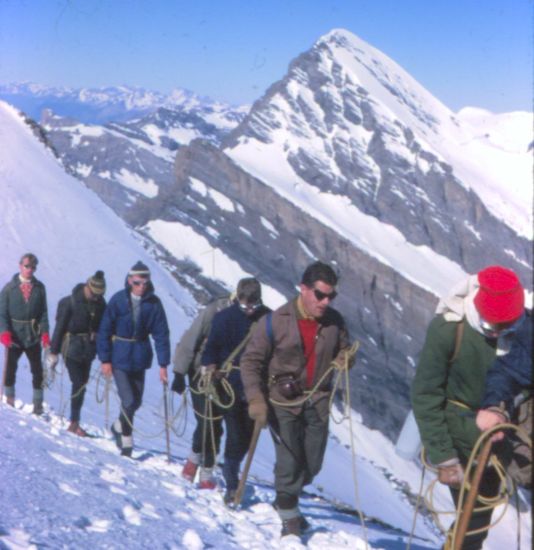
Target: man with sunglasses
{"points": [[131, 316], [286, 365], [474, 323], [228, 335], [24, 328], [77, 320]]}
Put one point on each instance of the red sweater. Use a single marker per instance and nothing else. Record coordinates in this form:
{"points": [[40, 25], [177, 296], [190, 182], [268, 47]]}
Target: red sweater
{"points": [[308, 332]]}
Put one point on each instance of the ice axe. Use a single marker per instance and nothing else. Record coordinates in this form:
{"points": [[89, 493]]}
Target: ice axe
{"points": [[166, 410], [4, 373], [250, 455]]}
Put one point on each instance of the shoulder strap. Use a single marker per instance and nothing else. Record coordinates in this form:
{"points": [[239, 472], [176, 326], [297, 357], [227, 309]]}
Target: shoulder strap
{"points": [[228, 364], [269, 327], [457, 341]]}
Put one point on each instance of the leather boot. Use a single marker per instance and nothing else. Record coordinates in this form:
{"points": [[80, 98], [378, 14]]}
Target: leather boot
{"points": [[38, 402]]}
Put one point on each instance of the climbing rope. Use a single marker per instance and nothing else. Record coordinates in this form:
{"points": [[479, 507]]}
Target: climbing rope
{"points": [[502, 497], [145, 435], [308, 394], [343, 376]]}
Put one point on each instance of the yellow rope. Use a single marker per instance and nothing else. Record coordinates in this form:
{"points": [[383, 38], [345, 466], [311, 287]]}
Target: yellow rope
{"points": [[308, 394], [343, 371], [416, 510]]}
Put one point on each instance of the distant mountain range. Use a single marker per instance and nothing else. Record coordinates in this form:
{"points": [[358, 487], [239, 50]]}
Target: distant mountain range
{"points": [[347, 159], [102, 105]]}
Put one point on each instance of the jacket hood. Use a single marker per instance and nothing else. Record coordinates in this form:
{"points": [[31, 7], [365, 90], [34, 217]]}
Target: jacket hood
{"points": [[459, 304]]}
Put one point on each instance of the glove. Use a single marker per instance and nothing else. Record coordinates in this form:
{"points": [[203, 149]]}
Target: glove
{"points": [[257, 410], [451, 473], [45, 339], [178, 384], [6, 338], [51, 361]]}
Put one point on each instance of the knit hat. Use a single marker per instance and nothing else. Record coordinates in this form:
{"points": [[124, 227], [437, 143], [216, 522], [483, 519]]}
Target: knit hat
{"points": [[97, 283], [500, 298], [139, 269]]}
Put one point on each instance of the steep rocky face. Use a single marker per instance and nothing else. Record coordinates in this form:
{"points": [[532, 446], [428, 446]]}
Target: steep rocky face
{"points": [[276, 240]]}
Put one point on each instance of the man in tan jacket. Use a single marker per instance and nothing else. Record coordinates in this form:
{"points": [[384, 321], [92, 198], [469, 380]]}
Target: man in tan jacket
{"points": [[283, 370]]}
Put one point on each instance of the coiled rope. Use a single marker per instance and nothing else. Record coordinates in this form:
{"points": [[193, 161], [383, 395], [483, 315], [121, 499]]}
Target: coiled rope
{"points": [[502, 497]]}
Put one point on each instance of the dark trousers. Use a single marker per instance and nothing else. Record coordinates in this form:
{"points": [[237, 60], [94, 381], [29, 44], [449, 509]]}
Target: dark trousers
{"points": [[300, 448], [208, 433], [130, 386], [239, 428], [489, 487], [79, 375], [33, 354]]}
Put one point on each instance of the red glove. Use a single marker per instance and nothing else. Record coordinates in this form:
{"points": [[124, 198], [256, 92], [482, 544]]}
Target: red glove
{"points": [[5, 338], [45, 339]]}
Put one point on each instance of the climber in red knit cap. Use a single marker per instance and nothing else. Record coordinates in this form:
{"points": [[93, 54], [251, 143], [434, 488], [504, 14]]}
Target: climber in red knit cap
{"points": [[474, 323]]}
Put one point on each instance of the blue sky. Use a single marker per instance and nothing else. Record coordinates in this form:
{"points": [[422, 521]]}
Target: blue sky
{"points": [[465, 52]]}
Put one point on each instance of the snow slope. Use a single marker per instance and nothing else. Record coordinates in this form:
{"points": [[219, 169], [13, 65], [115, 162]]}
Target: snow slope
{"points": [[58, 490]]}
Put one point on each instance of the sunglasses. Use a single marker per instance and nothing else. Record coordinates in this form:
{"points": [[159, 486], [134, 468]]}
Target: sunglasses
{"points": [[29, 266], [251, 307], [140, 283], [498, 329], [323, 295]]}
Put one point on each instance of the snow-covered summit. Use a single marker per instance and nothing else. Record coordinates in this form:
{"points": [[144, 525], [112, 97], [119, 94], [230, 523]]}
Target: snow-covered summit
{"points": [[344, 106]]}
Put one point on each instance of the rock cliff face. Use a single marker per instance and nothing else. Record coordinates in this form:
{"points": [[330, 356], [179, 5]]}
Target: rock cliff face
{"points": [[346, 159]]}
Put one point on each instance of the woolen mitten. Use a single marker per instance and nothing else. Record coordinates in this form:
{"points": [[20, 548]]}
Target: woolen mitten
{"points": [[6, 339], [178, 384], [45, 339]]}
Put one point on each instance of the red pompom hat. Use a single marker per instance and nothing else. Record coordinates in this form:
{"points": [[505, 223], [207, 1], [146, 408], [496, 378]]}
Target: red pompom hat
{"points": [[500, 298]]}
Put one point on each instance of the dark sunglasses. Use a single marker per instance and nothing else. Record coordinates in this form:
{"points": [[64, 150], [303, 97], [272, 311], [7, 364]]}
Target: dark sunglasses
{"points": [[140, 283], [29, 266], [496, 329], [251, 307], [322, 295]]}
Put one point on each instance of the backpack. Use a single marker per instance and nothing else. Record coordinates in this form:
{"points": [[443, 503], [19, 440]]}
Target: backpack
{"points": [[520, 467]]}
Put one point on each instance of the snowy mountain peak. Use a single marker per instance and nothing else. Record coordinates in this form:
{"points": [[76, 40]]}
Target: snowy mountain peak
{"points": [[345, 113]]}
